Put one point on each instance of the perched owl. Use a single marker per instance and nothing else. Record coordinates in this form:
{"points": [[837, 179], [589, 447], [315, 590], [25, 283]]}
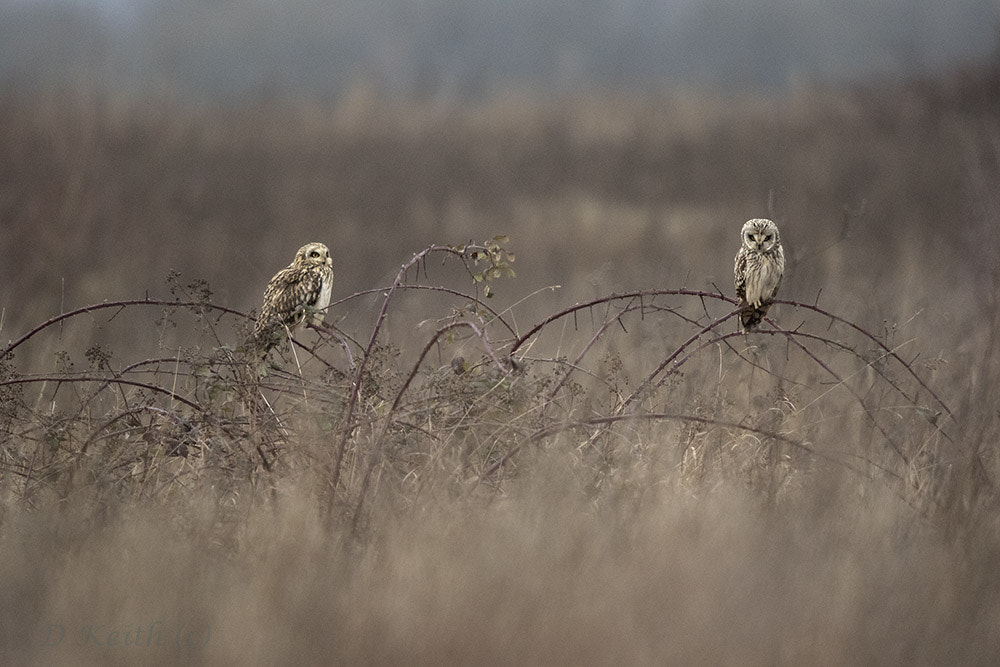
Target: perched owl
{"points": [[760, 263], [296, 296]]}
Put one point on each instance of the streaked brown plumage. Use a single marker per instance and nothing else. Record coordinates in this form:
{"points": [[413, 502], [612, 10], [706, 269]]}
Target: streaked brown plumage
{"points": [[296, 296]]}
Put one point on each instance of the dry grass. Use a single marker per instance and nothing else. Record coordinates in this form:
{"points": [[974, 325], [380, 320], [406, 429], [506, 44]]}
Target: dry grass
{"points": [[642, 485]]}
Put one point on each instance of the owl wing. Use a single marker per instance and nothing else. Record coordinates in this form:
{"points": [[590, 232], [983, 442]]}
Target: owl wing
{"points": [[779, 258], [740, 275], [777, 284], [288, 294]]}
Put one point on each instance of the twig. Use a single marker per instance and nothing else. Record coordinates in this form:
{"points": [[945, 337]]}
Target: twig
{"points": [[881, 345], [58, 379], [355, 390], [116, 304], [573, 310]]}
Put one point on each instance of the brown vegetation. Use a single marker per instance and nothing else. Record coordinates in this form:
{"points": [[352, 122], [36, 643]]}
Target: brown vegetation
{"points": [[447, 476]]}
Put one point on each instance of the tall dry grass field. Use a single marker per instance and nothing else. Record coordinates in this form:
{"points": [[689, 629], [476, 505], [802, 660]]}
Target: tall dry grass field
{"points": [[530, 432]]}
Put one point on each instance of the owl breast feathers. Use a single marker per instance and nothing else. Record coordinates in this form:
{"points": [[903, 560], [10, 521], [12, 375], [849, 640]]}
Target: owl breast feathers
{"points": [[760, 265], [296, 296]]}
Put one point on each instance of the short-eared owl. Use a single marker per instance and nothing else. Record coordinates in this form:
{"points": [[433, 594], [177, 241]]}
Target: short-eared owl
{"points": [[760, 263], [296, 296]]}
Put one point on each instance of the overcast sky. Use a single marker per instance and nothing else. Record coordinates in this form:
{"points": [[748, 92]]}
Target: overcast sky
{"points": [[462, 48]]}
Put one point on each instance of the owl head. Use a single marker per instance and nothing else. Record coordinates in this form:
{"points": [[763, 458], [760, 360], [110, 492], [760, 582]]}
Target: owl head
{"points": [[313, 254], [760, 235]]}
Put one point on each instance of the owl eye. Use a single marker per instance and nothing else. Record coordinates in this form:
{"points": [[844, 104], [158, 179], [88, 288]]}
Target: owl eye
{"points": [[767, 238], [314, 253]]}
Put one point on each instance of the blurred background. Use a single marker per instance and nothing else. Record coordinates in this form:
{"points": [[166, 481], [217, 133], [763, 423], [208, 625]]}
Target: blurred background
{"points": [[620, 144], [466, 49]]}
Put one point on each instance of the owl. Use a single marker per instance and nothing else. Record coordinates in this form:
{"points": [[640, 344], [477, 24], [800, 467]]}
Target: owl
{"points": [[760, 264], [296, 296]]}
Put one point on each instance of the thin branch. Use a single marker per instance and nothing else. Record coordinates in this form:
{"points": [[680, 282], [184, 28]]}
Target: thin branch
{"points": [[58, 379], [660, 416], [671, 357], [877, 342], [377, 446], [355, 391], [117, 304], [573, 310]]}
